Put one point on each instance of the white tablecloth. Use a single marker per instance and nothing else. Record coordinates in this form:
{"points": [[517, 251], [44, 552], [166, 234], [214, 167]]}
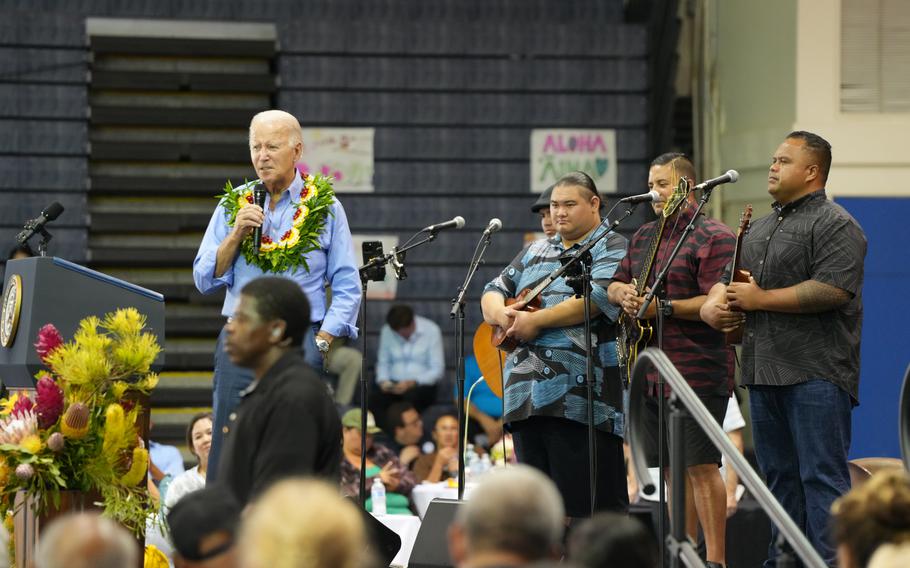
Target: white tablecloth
{"points": [[406, 527], [426, 492]]}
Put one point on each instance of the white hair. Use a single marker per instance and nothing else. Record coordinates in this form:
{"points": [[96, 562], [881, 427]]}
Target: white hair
{"points": [[86, 540], [285, 119], [518, 510]]}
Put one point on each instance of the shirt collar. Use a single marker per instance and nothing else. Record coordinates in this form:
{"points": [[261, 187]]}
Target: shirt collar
{"points": [[817, 194], [291, 190]]}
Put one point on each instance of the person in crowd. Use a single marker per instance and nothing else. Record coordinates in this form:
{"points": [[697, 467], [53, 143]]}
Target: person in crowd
{"points": [[303, 523], [891, 556], [442, 464], [407, 430], [199, 441], [611, 539], [545, 393], [203, 526], [381, 462], [410, 360], [20, 251], [286, 423], [85, 540], [542, 207], [275, 148], [873, 514], [700, 263], [803, 309], [514, 517]]}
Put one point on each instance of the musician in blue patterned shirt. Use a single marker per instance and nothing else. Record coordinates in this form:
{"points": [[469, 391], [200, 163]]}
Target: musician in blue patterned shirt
{"points": [[545, 392]]}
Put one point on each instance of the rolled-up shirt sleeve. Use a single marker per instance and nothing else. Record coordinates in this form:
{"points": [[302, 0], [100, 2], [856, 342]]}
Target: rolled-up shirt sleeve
{"points": [[608, 260], [343, 276], [206, 257]]}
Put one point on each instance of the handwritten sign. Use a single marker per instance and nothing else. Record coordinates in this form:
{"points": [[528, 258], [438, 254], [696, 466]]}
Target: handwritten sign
{"points": [[386, 289], [343, 153], [556, 152]]}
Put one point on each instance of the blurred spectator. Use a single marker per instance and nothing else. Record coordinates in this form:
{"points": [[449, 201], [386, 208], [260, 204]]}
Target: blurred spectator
{"points": [[199, 441], [381, 461], [611, 539], [891, 556], [167, 459], [20, 251], [301, 523], [870, 515], [203, 526], [86, 540], [407, 429], [542, 208], [734, 423], [442, 463], [485, 410], [515, 517], [410, 360]]}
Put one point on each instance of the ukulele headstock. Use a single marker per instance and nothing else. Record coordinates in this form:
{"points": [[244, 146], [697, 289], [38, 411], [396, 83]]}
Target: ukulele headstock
{"points": [[677, 197], [745, 219]]}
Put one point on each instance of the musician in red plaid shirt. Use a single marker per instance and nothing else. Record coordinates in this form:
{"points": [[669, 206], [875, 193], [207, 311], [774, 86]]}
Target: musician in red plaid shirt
{"points": [[697, 350]]}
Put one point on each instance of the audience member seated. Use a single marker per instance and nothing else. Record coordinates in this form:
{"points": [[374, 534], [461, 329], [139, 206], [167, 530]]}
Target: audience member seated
{"points": [[203, 527], [199, 441], [891, 556], [515, 517], [86, 540], [381, 461], [485, 410], [410, 361], [875, 513], [442, 464], [611, 539], [407, 429], [167, 459], [302, 523]]}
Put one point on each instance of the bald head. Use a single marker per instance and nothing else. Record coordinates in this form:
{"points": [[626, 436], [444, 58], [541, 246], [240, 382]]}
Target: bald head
{"points": [[275, 148], [86, 540], [280, 120]]}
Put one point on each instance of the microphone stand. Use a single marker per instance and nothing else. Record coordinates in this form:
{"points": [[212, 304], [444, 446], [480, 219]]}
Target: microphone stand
{"points": [[396, 256], [457, 314], [580, 282], [661, 401]]}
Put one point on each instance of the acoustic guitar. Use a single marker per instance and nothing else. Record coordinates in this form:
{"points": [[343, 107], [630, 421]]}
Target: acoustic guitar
{"points": [[633, 334], [735, 337]]}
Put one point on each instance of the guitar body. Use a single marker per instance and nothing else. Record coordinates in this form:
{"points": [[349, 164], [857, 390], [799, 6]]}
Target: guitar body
{"points": [[735, 337], [632, 336], [491, 345]]}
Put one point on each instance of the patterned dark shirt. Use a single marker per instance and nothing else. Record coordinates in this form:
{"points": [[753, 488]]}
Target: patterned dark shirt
{"points": [[697, 350], [809, 239], [547, 376]]}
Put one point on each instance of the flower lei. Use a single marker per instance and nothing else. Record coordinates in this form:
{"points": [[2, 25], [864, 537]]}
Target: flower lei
{"points": [[316, 199]]}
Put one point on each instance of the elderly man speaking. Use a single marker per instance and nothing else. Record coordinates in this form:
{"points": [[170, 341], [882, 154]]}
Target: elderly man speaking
{"points": [[296, 207]]}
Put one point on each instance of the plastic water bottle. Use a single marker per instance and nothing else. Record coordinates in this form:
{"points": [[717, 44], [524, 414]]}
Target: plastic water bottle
{"points": [[471, 460], [485, 463], [377, 495]]}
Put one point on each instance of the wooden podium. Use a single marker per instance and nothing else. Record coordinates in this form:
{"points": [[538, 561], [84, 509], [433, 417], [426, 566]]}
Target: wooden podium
{"points": [[43, 290]]}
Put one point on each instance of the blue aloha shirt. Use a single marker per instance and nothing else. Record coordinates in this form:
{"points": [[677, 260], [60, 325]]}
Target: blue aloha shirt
{"points": [[546, 377]]}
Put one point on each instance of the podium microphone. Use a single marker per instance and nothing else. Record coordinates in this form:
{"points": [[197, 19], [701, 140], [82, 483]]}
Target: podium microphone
{"points": [[258, 199], [36, 225]]}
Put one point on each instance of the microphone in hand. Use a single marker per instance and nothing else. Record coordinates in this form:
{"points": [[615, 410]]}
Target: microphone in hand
{"points": [[258, 199]]}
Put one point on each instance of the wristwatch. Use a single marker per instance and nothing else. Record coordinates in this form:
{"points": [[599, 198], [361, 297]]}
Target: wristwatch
{"points": [[666, 308], [322, 345]]}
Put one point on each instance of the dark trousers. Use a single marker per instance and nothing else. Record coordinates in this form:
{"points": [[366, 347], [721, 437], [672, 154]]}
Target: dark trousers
{"points": [[802, 437]]}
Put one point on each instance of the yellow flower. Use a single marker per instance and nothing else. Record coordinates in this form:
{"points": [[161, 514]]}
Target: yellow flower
{"points": [[300, 217], [7, 404], [154, 558], [312, 192], [4, 474], [310, 178], [138, 469], [268, 247], [124, 322], [135, 354], [292, 239], [31, 444], [114, 429]]}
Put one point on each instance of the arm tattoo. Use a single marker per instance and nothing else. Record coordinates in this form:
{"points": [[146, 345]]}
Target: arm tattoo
{"points": [[814, 297]]}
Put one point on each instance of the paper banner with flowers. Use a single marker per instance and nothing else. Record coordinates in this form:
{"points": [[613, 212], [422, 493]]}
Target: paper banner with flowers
{"points": [[302, 237], [79, 429]]}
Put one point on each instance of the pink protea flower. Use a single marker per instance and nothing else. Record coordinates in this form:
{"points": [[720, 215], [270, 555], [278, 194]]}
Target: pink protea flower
{"points": [[48, 401], [48, 340]]}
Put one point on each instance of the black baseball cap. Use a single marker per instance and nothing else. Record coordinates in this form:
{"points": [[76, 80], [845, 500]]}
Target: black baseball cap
{"points": [[198, 514], [543, 202]]}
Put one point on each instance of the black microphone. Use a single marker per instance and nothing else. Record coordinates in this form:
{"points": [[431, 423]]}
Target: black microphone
{"points": [[36, 225], [642, 197], [732, 176], [493, 226], [258, 199], [456, 223]]}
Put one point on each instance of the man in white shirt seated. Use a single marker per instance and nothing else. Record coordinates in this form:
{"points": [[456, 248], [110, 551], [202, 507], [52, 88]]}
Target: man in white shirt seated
{"points": [[410, 361]]}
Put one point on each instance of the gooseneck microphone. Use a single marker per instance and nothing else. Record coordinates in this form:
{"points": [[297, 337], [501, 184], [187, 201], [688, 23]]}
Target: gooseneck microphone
{"points": [[732, 176], [652, 196], [258, 199], [36, 225], [456, 223]]}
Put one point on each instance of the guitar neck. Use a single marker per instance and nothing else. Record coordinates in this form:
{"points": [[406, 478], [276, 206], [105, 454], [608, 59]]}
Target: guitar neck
{"points": [[648, 266]]}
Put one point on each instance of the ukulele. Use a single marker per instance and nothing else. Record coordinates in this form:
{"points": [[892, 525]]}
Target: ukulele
{"points": [[735, 337]]}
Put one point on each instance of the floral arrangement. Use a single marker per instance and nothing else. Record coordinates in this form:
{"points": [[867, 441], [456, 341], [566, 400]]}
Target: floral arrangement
{"points": [[79, 431], [302, 237]]}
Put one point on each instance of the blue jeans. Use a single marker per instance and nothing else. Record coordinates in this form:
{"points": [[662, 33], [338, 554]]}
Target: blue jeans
{"points": [[229, 381], [802, 437]]}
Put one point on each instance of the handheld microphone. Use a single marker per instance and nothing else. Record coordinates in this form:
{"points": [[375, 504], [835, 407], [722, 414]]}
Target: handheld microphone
{"points": [[493, 226], [652, 196], [456, 223], [732, 176], [258, 199], [36, 225]]}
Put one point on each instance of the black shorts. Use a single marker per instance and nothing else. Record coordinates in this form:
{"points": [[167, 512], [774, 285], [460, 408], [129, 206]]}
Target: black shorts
{"points": [[559, 448], [698, 447]]}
